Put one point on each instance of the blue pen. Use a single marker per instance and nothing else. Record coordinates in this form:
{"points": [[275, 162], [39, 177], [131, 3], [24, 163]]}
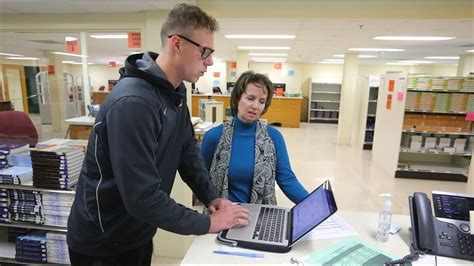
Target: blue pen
{"points": [[237, 253]]}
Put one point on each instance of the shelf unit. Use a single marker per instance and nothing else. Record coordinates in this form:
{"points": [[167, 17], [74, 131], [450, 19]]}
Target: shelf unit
{"points": [[324, 100], [370, 115], [7, 249], [437, 141]]}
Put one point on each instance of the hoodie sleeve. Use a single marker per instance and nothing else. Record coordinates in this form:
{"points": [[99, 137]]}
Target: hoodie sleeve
{"points": [[132, 128]]}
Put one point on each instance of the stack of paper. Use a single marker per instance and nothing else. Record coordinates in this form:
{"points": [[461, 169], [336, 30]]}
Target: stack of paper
{"points": [[4, 203], [16, 175], [57, 248], [56, 208], [56, 166], [441, 102], [423, 83], [412, 100], [470, 103], [31, 247], [458, 102], [427, 101]]}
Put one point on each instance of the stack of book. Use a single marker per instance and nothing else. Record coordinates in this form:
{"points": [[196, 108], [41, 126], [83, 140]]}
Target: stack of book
{"points": [[56, 166], [31, 247], [9, 149], [441, 102], [4, 203], [25, 206], [458, 102], [470, 103], [427, 101], [412, 100], [468, 84], [16, 175], [423, 83], [15, 232], [439, 84], [57, 248], [56, 208], [454, 84]]}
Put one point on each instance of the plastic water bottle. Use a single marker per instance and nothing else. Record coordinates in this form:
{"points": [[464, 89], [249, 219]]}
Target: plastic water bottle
{"points": [[385, 219]]}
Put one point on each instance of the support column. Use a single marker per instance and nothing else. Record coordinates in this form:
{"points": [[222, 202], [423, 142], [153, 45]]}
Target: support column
{"points": [[151, 37], [57, 93], [86, 86], [465, 64], [348, 105], [242, 62]]}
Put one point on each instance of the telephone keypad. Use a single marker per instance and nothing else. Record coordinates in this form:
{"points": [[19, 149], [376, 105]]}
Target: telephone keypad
{"points": [[465, 244]]}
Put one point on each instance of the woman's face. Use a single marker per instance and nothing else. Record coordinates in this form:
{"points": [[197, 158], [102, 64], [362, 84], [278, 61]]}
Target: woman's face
{"points": [[252, 102]]}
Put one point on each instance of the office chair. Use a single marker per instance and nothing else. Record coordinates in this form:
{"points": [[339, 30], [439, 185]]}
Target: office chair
{"points": [[16, 127]]}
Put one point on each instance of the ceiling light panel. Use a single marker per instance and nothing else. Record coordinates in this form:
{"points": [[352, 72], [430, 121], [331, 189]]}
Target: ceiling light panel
{"points": [[68, 54], [10, 54], [442, 57], [264, 47], [109, 36], [376, 49], [412, 38], [266, 54], [260, 36], [22, 58]]}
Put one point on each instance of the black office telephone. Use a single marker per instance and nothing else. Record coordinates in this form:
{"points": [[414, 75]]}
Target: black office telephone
{"points": [[93, 109], [437, 236]]}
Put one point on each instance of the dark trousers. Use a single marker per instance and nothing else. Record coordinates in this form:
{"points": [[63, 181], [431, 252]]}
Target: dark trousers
{"points": [[138, 256]]}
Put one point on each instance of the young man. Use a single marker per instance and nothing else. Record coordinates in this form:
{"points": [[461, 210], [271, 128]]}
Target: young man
{"points": [[142, 135]]}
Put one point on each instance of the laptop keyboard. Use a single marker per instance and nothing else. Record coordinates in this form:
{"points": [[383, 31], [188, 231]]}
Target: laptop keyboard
{"points": [[270, 223]]}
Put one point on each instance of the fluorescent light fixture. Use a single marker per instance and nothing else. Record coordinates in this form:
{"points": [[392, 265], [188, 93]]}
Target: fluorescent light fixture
{"points": [[442, 57], [267, 58], [264, 47], [10, 54], [331, 62], [68, 54], [70, 39], [74, 63], [260, 36], [470, 51], [401, 64], [416, 61], [109, 36], [134, 53], [412, 38], [22, 58], [274, 60], [376, 49], [265, 54], [334, 60], [360, 56]]}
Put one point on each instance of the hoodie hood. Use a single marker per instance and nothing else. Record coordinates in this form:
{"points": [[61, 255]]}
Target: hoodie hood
{"points": [[144, 66]]}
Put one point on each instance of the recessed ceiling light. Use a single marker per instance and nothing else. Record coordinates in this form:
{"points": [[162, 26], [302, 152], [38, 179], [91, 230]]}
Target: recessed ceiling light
{"points": [[266, 54], [331, 62], [10, 54], [376, 49], [469, 51], [360, 56], [22, 58], [334, 60], [413, 38], [442, 57], [416, 61], [264, 47], [68, 54], [401, 64], [70, 39], [259, 36], [109, 36], [267, 58]]}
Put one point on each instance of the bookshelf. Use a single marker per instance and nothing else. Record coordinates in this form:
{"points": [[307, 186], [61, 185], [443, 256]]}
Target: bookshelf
{"points": [[437, 140], [371, 111], [324, 101]]}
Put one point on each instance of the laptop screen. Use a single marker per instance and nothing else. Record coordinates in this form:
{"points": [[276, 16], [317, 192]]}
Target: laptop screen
{"points": [[312, 210]]}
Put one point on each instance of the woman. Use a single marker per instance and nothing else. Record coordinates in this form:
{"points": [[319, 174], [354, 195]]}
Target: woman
{"points": [[245, 156]]}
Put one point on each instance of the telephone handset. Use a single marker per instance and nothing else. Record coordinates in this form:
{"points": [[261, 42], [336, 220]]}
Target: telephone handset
{"points": [[436, 237]]}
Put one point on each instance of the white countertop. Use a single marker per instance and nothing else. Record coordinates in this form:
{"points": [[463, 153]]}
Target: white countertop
{"points": [[81, 121]]}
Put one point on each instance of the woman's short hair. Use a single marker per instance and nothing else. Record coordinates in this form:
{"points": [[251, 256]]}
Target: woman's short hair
{"points": [[184, 19], [246, 78]]}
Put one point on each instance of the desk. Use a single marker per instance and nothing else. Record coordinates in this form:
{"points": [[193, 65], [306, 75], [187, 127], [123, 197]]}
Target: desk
{"points": [[201, 250], [80, 127], [98, 97], [283, 110]]}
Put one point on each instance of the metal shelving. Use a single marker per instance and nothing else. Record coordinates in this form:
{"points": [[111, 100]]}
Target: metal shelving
{"points": [[324, 102]]}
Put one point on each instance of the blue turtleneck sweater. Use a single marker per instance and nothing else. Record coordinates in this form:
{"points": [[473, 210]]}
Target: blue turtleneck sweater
{"points": [[242, 161]]}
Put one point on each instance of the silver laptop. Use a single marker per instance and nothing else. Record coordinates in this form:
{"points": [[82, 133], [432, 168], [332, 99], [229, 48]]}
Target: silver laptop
{"points": [[277, 229]]}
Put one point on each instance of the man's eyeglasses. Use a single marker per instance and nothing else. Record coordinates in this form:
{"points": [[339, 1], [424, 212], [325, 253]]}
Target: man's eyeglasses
{"points": [[206, 51]]}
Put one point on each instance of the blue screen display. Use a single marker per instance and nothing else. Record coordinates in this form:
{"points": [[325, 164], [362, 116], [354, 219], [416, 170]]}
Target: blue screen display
{"points": [[313, 210]]}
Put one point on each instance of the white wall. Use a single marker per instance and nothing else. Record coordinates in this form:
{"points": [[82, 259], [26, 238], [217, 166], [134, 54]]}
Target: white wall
{"points": [[205, 83]]}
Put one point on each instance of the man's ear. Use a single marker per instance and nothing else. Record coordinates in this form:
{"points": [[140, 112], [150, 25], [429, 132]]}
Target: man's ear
{"points": [[175, 43]]}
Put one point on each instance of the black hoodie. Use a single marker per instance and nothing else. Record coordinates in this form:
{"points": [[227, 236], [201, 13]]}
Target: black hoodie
{"points": [[141, 136]]}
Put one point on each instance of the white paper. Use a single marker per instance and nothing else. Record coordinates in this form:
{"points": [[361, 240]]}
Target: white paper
{"points": [[333, 227]]}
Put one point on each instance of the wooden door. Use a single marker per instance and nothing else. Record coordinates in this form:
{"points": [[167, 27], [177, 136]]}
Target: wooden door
{"points": [[15, 86]]}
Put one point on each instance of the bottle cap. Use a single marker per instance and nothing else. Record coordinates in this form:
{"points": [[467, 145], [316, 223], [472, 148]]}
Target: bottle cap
{"points": [[387, 206]]}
